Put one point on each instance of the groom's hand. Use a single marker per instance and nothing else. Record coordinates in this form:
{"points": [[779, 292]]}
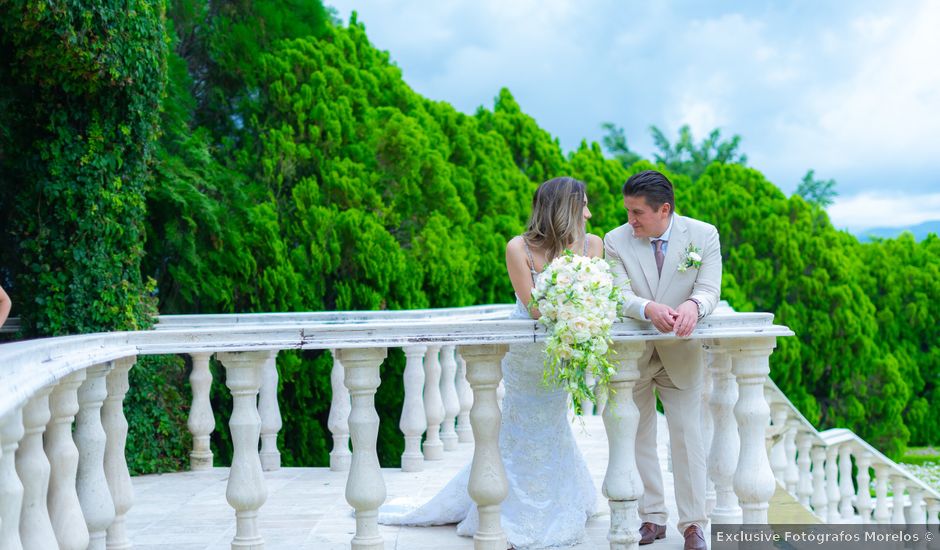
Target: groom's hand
{"points": [[687, 318], [662, 316]]}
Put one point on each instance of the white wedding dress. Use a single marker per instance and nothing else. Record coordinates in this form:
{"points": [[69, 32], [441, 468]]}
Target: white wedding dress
{"points": [[551, 494]]}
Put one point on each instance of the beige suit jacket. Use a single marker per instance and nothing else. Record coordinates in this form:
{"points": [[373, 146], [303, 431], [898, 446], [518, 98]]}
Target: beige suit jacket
{"points": [[632, 258]]}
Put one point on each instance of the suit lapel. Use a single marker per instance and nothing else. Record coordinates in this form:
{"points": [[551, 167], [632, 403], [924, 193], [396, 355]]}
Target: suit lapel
{"points": [[644, 254], [678, 242]]}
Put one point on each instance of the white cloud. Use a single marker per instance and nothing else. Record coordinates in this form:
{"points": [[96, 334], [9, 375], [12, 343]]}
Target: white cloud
{"points": [[701, 115], [884, 111], [870, 210]]}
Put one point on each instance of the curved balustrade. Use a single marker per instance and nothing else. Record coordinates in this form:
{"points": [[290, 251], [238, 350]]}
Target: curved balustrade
{"points": [[824, 481], [452, 354]]}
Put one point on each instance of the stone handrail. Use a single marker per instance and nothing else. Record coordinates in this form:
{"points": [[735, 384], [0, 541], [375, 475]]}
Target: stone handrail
{"points": [[82, 491], [497, 311], [817, 468]]}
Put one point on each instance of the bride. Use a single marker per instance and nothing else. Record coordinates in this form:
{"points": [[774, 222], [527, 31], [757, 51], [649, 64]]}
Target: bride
{"points": [[551, 494]]}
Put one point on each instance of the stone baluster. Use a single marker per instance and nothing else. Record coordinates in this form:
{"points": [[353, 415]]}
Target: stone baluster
{"points": [[804, 446], [792, 475], [622, 485], [832, 484], [465, 396], [201, 421], [933, 509], [449, 398], [778, 453], [708, 431], [33, 468], [338, 421], [916, 513], [882, 509], [65, 511], [820, 500], [365, 487], [863, 497], [115, 465], [846, 487], [413, 422], [488, 485], [725, 444], [91, 440], [246, 490], [753, 478], [11, 488], [898, 485], [433, 404], [270, 414]]}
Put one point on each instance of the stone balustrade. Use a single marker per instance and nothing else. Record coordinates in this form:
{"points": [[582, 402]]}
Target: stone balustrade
{"points": [[451, 378], [841, 478]]}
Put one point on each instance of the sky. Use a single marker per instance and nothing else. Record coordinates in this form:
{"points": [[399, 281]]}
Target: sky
{"points": [[848, 89]]}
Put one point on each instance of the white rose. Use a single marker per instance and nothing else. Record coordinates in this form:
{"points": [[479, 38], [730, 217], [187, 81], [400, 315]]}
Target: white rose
{"points": [[547, 309], [579, 324], [594, 325], [695, 257]]}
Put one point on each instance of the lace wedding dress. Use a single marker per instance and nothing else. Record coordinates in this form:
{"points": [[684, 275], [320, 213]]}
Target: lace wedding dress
{"points": [[551, 494]]}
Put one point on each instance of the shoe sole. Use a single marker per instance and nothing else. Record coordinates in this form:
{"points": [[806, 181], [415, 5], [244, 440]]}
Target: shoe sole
{"points": [[662, 536]]}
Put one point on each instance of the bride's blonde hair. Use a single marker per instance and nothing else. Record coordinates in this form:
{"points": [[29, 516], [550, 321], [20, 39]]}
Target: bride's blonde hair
{"points": [[557, 219]]}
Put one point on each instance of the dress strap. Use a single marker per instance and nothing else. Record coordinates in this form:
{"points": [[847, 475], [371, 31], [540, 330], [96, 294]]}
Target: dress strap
{"points": [[585, 252], [531, 260]]}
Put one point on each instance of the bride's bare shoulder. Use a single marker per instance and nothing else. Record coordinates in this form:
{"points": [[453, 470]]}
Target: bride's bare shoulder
{"points": [[515, 245], [595, 245]]}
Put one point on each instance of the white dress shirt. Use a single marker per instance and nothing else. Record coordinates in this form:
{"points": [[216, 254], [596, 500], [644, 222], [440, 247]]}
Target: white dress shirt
{"points": [[665, 238]]}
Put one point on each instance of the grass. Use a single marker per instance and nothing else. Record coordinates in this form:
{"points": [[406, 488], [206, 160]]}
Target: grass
{"points": [[924, 463], [921, 455]]}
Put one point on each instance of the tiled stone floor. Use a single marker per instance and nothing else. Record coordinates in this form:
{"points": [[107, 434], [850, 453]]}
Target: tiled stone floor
{"points": [[306, 508]]}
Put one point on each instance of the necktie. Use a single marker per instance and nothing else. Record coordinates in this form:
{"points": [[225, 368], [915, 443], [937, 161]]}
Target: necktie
{"points": [[660, 256]]}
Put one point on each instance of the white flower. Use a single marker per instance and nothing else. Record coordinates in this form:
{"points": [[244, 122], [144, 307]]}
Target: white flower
{"points": [[579, 303], [692, 258]]}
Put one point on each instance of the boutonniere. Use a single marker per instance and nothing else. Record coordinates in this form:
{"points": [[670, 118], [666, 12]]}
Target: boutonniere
{"points": [[692, 258]]}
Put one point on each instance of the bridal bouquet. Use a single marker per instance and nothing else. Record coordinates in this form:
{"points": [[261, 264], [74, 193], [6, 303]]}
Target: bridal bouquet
{"points": [[578, 302]]}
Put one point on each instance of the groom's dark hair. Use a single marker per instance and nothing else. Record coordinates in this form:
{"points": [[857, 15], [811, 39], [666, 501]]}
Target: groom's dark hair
{"points": [[653, 186]]}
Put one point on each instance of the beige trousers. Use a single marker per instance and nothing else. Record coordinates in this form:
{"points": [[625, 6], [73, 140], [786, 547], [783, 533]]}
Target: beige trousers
{"points": [[683, 409]]}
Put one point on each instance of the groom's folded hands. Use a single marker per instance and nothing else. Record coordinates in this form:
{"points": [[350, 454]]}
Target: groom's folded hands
{"points": [[682, 320], [687, 318], [662, 316]]}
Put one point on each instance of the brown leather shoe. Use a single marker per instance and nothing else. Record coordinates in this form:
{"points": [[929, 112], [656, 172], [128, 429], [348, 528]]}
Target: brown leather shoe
{"points": [[649, 532], [694, 538]]}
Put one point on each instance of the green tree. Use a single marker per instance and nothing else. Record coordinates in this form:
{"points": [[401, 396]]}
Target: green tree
{"points": [[685, 157], [822, 193], [615, 141]]}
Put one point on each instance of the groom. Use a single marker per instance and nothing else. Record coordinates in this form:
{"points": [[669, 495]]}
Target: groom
{"points": [[674, 267]]}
